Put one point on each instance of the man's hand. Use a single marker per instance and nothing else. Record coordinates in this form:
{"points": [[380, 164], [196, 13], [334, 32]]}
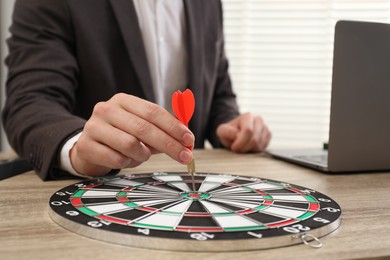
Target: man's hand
{"points": [[245, 133], [124, 131]]}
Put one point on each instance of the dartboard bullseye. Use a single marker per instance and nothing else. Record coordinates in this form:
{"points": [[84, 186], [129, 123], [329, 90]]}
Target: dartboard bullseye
{"points": [[224, 213]]}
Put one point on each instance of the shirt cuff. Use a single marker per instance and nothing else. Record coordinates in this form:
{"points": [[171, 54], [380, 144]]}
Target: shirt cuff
{"points": [[65, 163]]}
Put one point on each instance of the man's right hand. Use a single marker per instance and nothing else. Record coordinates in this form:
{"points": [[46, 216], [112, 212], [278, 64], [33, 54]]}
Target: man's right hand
{"points": [[124, 132]]}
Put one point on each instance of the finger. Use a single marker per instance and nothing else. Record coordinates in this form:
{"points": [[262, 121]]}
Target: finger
{"points": [[150, 134], [118, 140], [266, 138], [259, 136], [159, 117], [254, 142], [227, 134], [246, 128], [95, 159]]}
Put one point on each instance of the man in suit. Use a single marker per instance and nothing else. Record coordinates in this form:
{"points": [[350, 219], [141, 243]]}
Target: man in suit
{"points": [[89, 83]]}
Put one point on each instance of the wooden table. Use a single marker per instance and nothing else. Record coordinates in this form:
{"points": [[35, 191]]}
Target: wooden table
{"points": [[27, 232]]}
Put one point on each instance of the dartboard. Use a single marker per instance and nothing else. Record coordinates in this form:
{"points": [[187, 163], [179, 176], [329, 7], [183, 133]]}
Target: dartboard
{"points": [[224, 213]]}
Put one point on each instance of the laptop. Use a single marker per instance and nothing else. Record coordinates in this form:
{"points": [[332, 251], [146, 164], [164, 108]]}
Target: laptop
{"points": [[359, 133]]}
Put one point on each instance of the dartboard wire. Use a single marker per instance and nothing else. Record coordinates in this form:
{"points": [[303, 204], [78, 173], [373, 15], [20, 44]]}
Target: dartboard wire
{"points": [[142, 186], [293, 201], [242, 187], [80, 204], [81, 193], [88, 209], [233, 203], [126, 183], [239, 204], [118, 220], [102, 190], [284, 219], [282, 216], [156, 189], [184, 212], [214, 181], [269, 240], [248, 195], [182, 215], [229, 189], [240, 190], [152, 211], [261, 211], [251, 197], [265, 193], [173, 183], [236, 203], [214, 215], [247, 186], [304, 211], [147, 194], [141, 195], [137, 222], [150, 203]]}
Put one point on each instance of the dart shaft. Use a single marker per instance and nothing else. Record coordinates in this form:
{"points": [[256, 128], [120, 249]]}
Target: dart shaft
{"points": [[191, 170]]}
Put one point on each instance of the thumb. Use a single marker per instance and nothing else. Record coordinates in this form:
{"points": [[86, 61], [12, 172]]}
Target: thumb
{"points": [[227, 134]]}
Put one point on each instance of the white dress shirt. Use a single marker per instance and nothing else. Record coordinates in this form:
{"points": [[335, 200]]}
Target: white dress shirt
{"points": [[163, 28], [162, 25]]}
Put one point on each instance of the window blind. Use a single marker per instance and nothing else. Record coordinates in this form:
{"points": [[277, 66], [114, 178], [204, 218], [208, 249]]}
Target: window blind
{"points": [[280, 54]]}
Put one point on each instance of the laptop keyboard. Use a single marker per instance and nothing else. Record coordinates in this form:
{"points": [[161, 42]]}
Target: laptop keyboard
{"points": [[318, 159]]}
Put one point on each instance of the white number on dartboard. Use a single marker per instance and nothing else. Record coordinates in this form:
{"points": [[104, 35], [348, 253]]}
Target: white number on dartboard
{"points": [[297, 228], [322, 220], [324, 200], [72, 213], [59, 203], [329, 209], [144, 231], [255, 234], [98, 224], [202, 236], [60, 193]]}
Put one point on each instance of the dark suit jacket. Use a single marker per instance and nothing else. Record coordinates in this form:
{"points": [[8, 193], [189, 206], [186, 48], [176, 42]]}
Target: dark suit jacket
{"points": [[67, 55]]}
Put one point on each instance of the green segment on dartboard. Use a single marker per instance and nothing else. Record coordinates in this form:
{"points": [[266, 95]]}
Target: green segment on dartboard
{"points": [[78, 193], [245, 228], [132, 205], [306, 215], [310, 198], [122, 194], [137, 224]]}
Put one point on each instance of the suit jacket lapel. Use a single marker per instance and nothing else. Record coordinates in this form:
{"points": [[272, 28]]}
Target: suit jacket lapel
{"points": [[127, 19], [193, 9]]}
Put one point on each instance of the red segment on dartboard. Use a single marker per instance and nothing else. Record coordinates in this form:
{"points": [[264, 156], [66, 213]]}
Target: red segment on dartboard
{"points": [[282, 223], [114, 220], [76, 202], [194, 195], [122, 199], [246, 211], [313, 206], [199, 229]]}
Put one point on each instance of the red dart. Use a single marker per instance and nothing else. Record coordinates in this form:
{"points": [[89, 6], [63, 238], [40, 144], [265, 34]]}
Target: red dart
{"points": [[183, 105]]}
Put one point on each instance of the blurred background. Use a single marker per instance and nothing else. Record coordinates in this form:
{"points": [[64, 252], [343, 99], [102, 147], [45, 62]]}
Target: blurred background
{"points": [[280, 54]]}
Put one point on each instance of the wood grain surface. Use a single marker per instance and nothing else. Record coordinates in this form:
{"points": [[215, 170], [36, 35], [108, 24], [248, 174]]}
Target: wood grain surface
{"points": [[27, 232]]}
